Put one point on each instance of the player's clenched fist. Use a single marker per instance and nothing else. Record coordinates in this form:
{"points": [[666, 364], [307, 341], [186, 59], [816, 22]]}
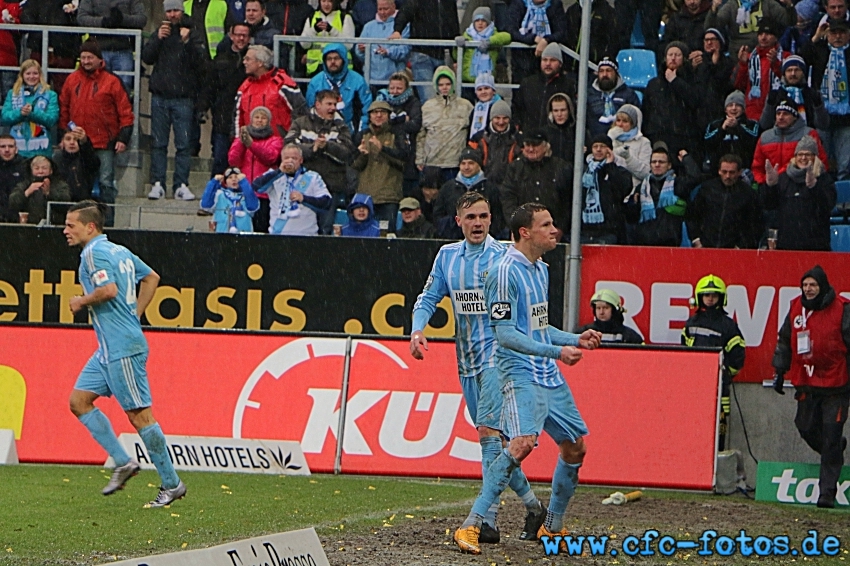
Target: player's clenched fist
{"points": [[589, 339], [570, 355], [76, 304]]}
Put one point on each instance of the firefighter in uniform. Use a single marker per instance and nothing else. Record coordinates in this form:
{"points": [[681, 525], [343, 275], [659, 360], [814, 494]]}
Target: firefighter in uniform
{"points": [[812, 350], [711, 327], [608, 319]]}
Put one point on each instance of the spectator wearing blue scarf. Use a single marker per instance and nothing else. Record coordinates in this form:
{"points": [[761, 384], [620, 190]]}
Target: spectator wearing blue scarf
{"points": [[538, 23], [481, 59]]}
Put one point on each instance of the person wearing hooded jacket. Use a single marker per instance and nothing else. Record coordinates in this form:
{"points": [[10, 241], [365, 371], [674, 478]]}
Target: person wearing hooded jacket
{"points": [[382, 153], [607, 93], [609, 320], [779, 144], [529, 100], [671, 103], [605, 185], [361, 225], [812, 350], [406, 115], [328, 21], [41, 184], [350, 86], [445, 123], [658, 205], [712, 327], [498, 143], [629, 144], [803, 196], [561, 129]]}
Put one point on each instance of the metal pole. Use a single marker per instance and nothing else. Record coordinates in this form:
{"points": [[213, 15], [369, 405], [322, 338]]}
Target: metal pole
{"points": [[137, 95], [343, 403], [578, 169]]}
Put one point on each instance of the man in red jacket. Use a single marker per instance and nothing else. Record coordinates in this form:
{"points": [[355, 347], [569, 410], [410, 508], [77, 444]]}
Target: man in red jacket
{"points": [[812, 350], [271, 87], [95, 100]]}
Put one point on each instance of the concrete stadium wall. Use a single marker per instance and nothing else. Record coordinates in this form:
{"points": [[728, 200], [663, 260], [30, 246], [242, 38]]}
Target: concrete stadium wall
{"points": [[769, 420]]}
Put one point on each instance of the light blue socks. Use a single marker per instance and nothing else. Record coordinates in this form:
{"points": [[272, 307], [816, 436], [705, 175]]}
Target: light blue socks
{"points": [[101, 430]]}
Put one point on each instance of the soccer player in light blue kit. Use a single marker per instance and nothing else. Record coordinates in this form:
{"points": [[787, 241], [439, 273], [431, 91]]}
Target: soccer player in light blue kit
{"points": [[459, 272], [536, 397], [109, 274]]}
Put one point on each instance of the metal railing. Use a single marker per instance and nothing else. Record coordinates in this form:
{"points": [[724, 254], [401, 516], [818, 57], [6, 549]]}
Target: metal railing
{"points": [[449, 46], [74, 30]]}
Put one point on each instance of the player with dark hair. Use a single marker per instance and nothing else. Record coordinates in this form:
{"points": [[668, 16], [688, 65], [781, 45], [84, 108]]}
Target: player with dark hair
{"points": [[109, 274], [535, 395], [459, 272]]}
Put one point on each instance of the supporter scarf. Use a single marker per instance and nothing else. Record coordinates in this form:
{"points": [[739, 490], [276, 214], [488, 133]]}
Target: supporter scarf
{"points": [[609, 113], [260, 133], [795, 94], [755, 74], [743, 16], [481, 62], [796, 174], [592, 213], [833, 88], [666, 198], [536, 21], [385, 95], [470, 182], [618, 134], [479, 115], [236, 201]]}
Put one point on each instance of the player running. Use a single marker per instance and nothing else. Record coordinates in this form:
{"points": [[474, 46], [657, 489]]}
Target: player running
{"points": [[536, 397], [109, 274], [459, 272]]}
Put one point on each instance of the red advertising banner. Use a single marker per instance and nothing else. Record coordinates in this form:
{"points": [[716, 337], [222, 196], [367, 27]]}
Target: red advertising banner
{"points": [[656, 283], [649, 426]]}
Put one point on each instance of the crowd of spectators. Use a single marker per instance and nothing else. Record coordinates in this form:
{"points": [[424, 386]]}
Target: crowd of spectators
{"points": [[745, 127]]}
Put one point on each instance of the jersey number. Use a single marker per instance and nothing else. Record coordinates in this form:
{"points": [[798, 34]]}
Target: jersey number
{"points": [[128, 268]]}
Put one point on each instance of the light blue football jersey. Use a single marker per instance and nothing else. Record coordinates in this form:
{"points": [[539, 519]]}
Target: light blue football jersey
{"points": [[459, 272], [119, 333], [517, 294]]}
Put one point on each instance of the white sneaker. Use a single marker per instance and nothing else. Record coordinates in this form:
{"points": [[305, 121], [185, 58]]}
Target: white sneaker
{"points": [[157, 192], [167, 496], [120, 475], [183, 193]]}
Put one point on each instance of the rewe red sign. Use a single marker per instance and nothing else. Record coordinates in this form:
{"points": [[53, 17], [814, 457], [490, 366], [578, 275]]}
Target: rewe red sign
{"points": [[649, 425], [656, 283]]}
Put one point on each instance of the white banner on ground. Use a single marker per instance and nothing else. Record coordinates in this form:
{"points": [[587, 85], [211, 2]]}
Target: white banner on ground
{"points": [[295, 548], [8, 448], [211, 454]]}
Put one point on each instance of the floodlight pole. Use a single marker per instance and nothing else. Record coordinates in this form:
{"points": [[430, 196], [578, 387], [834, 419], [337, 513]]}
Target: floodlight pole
{"points": [[578, 169]]}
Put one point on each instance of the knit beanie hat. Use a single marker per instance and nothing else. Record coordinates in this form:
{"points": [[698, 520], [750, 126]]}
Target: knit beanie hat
{"points": [[91, 46], [608, 62], [807, 143], [264, 110], [500, 108], [485, 79], [719, 35], [472, 154], [787, 107], [630, 111], [735, 97], [482, 13], [172, 5], [553, 50], [682, 47], [794, 61], [602, 138], [807, 9]]}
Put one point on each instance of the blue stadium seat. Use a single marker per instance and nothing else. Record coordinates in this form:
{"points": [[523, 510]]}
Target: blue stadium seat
{"points": [[843, 190], [842, 203], [637, 67], [637, 39], [840, 238]]}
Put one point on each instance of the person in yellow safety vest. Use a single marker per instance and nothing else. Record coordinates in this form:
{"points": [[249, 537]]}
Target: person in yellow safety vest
{"points": [[327, 21], [215, 18], [711, 327]]}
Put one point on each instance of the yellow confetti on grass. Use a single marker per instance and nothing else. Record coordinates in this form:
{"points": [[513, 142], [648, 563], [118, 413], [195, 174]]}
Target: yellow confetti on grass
{"points": [[224, 486], [66, 480], [372, 488], [184, 545], [175, 515]]}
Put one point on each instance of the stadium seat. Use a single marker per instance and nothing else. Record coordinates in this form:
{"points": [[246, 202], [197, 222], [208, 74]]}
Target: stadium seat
{"points": [[637, 39], [637, 67], [840, 238]]}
